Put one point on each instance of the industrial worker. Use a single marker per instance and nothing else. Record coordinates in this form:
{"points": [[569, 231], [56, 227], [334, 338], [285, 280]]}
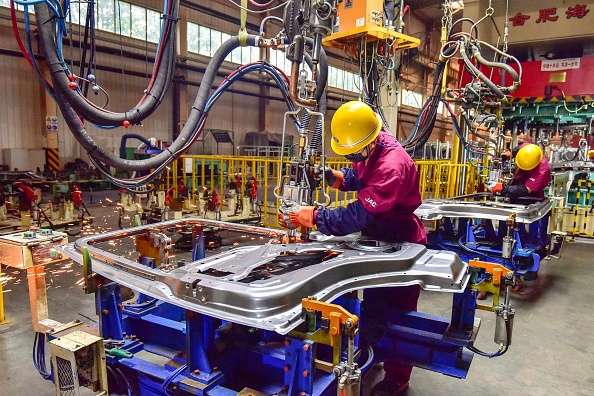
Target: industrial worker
{"points": [[532, 175], [387, 182], [591, 156]]}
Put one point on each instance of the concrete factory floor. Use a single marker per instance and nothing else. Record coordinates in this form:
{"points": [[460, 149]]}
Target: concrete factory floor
{"points": [[552, 351]]}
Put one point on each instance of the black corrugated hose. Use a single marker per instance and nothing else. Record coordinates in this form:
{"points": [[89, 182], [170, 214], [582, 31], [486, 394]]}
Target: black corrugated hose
{"points": [[426, 121], [164, 71]]}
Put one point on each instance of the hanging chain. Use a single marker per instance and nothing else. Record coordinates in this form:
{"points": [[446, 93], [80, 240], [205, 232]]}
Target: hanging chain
{"points": [[448, 16], [490, 9]]}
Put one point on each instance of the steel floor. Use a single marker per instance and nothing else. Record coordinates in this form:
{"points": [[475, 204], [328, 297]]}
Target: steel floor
{"points": [[552, 351]]}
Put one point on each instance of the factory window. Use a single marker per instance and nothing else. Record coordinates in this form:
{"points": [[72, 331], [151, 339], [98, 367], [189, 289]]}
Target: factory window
{"points": [[193, 45], [78, 13], [6, 3], [138, 22], [122, 18], [105, 15], [411, 98], [205, 41], [342, 79], [153, 23]]}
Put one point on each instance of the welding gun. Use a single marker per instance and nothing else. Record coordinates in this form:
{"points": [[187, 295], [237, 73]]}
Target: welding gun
{"points": [[303, 175]]}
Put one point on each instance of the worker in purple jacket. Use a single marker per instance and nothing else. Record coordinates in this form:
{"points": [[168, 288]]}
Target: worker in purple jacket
{"points": [[532, 175], [387, 185]]}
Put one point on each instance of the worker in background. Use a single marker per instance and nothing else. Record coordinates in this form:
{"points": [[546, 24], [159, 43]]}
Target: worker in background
{"points": [[27, 197], [591, 156], [387, 182], [531, 177], [183, 192]]}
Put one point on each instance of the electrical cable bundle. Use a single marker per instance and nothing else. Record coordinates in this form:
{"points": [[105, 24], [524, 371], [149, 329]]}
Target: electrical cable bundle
{"points": [[169, 380], [278, 76], [39, 356], [425, 122], [68, 99], [162, 75]]}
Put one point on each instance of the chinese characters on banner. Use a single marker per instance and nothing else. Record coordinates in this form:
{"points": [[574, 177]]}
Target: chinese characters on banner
{"points": [[550, 15], [560, 64]]}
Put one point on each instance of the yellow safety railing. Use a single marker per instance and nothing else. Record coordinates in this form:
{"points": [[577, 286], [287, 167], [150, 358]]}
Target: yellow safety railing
{"points": [[429, 182], [3, 319], [437, 179], [449, 178]]}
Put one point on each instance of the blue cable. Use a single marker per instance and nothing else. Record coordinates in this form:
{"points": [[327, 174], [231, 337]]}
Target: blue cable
{"points": [[210, 102], [39, 356], [171, 377], [370, 358]]}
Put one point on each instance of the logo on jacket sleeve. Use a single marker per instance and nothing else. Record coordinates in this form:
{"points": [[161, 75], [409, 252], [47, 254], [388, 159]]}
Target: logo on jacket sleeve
{"points": [[371, 202]]}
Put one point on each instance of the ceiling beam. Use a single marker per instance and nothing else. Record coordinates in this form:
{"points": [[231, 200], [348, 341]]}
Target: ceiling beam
{"points": [[419, 4]]}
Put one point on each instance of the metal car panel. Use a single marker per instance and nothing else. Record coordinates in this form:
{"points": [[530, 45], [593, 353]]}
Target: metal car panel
{"points": [[436, 209], [262, 286]]}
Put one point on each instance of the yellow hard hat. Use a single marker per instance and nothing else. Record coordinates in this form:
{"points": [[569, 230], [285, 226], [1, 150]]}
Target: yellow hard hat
{"points": [[591, 154], [353, 127], [528, 157]]}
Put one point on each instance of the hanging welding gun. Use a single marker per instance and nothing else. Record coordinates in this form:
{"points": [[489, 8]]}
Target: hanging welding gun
{"points": [[302, 178], [316, 18], [482, 88]]}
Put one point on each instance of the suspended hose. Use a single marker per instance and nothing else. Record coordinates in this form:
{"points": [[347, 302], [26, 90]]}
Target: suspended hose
{"points": [[478, 74], [163, 73], [501, 350], [424, 124], [46, 28], [370, 358], [171, 377], [514, 75]]}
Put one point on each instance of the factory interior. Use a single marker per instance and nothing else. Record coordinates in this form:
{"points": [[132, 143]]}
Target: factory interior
{"points": [[296, 197]]}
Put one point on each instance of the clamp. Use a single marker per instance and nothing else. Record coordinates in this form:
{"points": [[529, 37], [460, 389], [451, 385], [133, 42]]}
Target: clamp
{"points": [[499, 274], [340, 321]]}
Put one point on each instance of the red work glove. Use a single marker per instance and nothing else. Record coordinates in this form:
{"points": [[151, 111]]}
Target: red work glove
{"points": [[497, 188], [333, 177], [292, 215]]}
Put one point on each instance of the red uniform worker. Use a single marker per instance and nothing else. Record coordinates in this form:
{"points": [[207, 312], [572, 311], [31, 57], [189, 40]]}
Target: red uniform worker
{"points": [[532, 175], [387, 184]]}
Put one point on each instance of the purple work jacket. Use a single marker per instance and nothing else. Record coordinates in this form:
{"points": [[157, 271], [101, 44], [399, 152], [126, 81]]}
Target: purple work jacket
{"points": [[387, 195], [536, 179]]}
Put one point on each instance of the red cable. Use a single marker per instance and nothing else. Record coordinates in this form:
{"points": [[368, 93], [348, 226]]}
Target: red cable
{"points": [[15, 30], [158, 57], [17, 36]]}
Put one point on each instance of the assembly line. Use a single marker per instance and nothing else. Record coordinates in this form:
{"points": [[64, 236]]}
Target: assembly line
{"points": [[337, 257]]}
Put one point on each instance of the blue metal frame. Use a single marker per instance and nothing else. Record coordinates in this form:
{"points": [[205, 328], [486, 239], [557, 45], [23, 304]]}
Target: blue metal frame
{"points": [[263, 360], [221, 358], [478, 238]]}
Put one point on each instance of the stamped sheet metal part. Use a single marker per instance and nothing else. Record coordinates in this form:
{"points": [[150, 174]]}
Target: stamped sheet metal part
{"points": [[262, 286], [435, 209]]}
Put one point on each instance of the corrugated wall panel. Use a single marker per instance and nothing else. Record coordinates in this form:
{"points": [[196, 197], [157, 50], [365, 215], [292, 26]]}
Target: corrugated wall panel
{"points": [[20, 105]]}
